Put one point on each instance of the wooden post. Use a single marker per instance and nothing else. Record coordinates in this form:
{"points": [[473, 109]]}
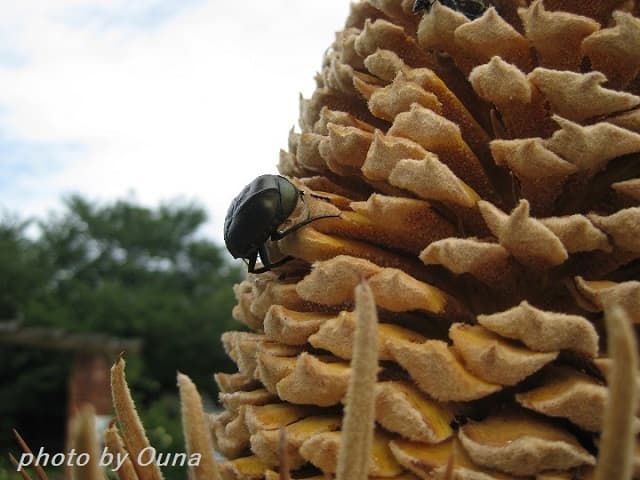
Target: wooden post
{"points": [[89, 383]]}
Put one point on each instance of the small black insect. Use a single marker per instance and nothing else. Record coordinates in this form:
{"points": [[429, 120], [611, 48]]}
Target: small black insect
{"points": [[472, 9], [254, 216]]}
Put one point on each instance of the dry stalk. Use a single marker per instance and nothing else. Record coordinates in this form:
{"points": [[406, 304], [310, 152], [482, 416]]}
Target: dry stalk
{"points": [[618, 435], [84, 440], [25, 448], [133, 433], [359, 418], [197, 437], [114, 444], [23, 473]]}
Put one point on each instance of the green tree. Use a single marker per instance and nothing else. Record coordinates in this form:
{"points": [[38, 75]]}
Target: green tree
{"points": [[32, 383], [124, 270]]}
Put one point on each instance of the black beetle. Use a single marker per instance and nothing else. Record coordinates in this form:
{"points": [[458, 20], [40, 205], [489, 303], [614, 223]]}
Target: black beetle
{"points": [[472, 9], [254, 216]]}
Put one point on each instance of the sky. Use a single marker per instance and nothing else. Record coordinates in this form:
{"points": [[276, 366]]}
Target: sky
{"points": [[152, 100]]}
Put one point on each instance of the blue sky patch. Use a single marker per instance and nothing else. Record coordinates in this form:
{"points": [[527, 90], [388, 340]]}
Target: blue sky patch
{"points": [[24, 164]]}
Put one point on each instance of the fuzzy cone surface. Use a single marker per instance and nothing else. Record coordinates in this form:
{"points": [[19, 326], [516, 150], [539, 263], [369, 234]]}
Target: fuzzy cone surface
{"points": [[486, 174]]}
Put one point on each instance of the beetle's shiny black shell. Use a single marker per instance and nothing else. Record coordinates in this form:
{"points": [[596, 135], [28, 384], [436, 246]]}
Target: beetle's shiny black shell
{"points": [[255, 214], [472, 9]]}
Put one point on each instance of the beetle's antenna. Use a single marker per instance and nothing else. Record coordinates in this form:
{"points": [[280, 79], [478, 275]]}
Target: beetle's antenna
{"points": [[279, 235], [315, 195], [298, 226]]}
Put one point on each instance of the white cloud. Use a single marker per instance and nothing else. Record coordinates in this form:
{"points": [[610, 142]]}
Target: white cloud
{"points": [[168, 102]]}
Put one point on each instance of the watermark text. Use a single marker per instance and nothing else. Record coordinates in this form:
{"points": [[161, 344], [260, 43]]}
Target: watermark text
{"points": [[113, 461]]}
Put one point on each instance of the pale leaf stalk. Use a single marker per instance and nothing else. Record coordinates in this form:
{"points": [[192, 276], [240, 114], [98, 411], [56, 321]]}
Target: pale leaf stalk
{"points": [[618, 434], [133, 432], [197, 437], [284, 457], [84, 440], [359, 418], [115, 446]]}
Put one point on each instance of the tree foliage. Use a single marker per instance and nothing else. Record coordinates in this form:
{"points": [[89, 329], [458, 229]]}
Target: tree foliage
{"points": [[124, 270]]}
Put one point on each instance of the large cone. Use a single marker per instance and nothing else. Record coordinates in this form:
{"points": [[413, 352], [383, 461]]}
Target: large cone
{"points": [[487, 177]]}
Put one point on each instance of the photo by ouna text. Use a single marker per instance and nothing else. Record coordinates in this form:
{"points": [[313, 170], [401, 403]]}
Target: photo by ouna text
{"points": [[147, 456]]}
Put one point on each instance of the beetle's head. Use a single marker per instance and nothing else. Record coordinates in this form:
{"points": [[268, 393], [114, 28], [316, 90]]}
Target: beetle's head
{"points": [[255, 214]]}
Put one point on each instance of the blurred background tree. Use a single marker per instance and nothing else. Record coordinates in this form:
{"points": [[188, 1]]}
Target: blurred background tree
{"points": [[119, 269]]}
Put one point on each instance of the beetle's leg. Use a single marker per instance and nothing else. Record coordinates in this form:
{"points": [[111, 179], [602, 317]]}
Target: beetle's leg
{"points": [[280, 235], [252, 263], [282, 261], [264, 255], [260, 270], [266, 261]]}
